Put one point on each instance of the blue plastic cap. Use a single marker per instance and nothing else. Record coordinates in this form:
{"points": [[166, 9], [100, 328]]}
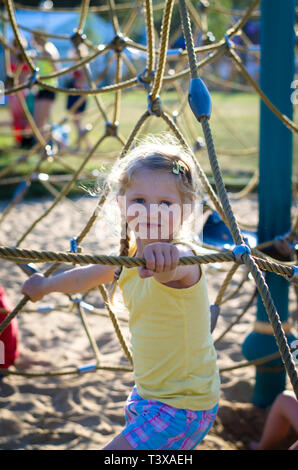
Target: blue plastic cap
{"points": [[239, 251], [199, 99], [174, 52], [294, 277], [73, 245], [86, 368], [33, 78], [228, 41]]}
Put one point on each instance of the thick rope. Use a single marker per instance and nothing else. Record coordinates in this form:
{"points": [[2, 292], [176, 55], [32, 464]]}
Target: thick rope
{"points": [[275, 322], [150, 35], [232, 224], [43, 256], [83, 15], [165, 29]]}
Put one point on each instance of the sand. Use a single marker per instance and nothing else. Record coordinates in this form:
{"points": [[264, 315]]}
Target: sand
{"points": [[86, 411]]}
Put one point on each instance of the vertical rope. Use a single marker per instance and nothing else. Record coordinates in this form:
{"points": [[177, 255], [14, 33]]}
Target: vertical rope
{"points": [[118, 92], [150, 35], [83, 15], [279, 333], [226, 283], [92, 85], [115, 323], [88, 333], [12, 18], [222, 194], [236, 234], [113, 16], [165, 29], [186, 26], [131, 20]]}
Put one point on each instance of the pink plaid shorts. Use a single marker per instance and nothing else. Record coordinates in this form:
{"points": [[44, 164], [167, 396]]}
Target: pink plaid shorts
{"points": [[153, 425]]}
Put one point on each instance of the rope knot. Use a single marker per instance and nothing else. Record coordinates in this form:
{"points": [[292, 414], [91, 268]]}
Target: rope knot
{"points": [[154, 106], [203, 5], [33, 79], [229, 44], [199, 144], [8, 81], [78, 38], [145, 78], [118, 43], [208, 38], [48, 152], [112, 129]]}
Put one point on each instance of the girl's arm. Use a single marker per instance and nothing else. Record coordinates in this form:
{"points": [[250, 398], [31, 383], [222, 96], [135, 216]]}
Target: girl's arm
{"points": [[69, 282]]}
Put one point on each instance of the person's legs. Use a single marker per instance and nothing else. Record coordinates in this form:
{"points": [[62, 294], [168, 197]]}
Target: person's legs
{"points": [[42, 110], [282, 416]]}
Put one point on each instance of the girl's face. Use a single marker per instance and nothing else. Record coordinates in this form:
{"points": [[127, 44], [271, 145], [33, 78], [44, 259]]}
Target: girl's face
{"points": [[152, 206]]}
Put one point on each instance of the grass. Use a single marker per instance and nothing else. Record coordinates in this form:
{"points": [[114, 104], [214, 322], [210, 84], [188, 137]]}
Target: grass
{"points": [[234, 123]]}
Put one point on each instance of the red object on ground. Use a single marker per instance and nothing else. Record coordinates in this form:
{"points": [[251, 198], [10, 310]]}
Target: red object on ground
{"points": [[9, 336]]}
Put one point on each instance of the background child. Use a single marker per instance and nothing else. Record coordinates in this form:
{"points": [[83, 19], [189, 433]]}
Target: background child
{"points": [[78, 81], [9, 338], [282, 417], [175, 399], [47, 63]]}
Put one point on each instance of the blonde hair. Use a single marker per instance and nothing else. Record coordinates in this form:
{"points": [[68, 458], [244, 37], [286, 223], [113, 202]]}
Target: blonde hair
{"points": [[160, 153]]}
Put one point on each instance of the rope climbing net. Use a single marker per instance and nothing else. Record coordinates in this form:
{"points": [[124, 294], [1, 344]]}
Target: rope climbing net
{"points": [[152, 79]]}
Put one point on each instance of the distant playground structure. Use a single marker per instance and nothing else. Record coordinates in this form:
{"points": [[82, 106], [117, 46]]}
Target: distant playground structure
{"points": [[270, 256]]}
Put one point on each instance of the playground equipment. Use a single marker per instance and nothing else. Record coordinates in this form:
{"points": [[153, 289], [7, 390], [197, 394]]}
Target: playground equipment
{"points": [[242, 247]]}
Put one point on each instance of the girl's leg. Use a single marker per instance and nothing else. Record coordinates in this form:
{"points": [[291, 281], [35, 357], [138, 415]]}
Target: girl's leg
{"points": [[282, 416], [119, 443]]}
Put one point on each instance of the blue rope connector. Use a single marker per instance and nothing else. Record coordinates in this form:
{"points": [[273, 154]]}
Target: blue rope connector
{"points": [[239, 251], [199, 99], [33, 78], [145, 78], [154, 107], [174, 52], [228, 41], [294, 277], [86, 368], [73, 245]]}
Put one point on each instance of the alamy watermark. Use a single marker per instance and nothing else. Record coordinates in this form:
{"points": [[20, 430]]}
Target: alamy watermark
{"points": [[152, 221]]}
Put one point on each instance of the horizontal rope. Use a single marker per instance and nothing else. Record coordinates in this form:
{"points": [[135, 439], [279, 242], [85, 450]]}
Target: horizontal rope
{"points": [[21, 255], [11, 253]]}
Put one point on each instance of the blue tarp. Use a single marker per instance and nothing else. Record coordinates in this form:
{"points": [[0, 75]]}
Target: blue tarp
{"points": [[98, 31]]}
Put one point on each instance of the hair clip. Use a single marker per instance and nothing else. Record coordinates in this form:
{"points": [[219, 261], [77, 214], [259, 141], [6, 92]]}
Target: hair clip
{"points": [[178, 167]]}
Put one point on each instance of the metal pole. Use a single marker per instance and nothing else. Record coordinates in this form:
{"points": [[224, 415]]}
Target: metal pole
{"points": [[275, 186]]}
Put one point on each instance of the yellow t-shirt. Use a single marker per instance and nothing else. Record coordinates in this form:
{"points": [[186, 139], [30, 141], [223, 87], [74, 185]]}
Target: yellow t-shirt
{"points": [[172, 347], [47, 68]]}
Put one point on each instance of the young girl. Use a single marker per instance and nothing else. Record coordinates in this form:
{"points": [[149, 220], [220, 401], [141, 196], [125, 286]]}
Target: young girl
{"points": [[175, 399]]}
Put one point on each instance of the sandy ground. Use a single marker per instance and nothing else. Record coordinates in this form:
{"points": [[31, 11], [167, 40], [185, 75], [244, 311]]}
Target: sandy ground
{"points": [[86, 411]]}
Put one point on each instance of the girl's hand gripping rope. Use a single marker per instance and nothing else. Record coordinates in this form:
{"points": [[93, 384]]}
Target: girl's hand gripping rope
{"points": [[160, 258], [35, 287]]}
